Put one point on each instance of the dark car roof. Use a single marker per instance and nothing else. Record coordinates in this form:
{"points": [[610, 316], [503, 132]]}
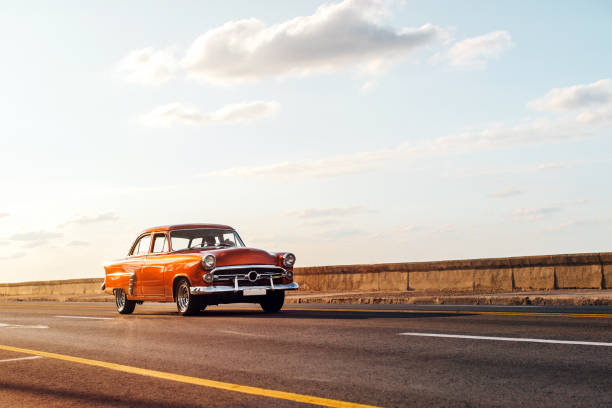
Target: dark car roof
{"points": [[186, 226]]}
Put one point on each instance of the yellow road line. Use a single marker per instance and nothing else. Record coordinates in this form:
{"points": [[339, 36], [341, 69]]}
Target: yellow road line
{"points": [[202, 382], [474, 312]]}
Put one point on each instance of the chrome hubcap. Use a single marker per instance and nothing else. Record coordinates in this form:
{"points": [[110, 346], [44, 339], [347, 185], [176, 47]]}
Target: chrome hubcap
{"points": [[120, 299], [182, 297]]}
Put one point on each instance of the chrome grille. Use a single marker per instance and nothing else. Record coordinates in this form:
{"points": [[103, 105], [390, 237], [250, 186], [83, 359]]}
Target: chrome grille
{"points": [[247, 273]]}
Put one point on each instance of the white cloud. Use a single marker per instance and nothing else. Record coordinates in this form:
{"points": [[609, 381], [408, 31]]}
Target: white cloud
{"points": [[579, 223], [13, 256], [576, 97], [477, 51], [337, 233], [537, 131], [582, 202], [109, 216], [509, 192], [369, 86], [172, 113], [181, 114], [147, 66], [595, 116], [36, 243], [34, 236], [412, 230], [311, 168], [327, 212], [553, 165], [323, 222], [336, 36], [443, 229], [409, 228], [243, 112], [77, 243], [532, 214]]}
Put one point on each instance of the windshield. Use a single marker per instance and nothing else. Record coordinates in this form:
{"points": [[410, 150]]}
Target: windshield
{"points": [[204, 238]]}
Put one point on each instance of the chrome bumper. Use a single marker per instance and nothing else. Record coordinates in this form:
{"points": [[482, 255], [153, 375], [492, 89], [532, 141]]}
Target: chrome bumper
{"points": [[198, 290]]}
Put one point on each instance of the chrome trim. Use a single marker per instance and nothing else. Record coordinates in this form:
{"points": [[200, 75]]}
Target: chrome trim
{"points": [[285, 259], [251, 273], [120, 299], [245, 276], [195, 290], [182, 298], [131, 287], [223, 268], [213, 265], [121, 274]]}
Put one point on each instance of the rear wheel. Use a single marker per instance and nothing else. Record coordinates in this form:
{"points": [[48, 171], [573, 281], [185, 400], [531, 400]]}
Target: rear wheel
{"points": [[186, 303], [273, 302], [124, 305]]}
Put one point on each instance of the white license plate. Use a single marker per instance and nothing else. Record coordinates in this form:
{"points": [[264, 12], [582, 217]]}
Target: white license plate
{"points": [[254, 292]]}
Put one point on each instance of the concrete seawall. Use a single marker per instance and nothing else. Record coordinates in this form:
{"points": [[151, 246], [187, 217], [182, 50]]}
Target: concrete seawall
{"points": [[549, 272], [62, 289]]}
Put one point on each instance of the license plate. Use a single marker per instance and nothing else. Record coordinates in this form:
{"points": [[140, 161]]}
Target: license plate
{"points": [[254, 292]]}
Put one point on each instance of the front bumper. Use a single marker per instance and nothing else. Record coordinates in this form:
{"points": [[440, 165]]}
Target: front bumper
{"points": [[199, 290]]}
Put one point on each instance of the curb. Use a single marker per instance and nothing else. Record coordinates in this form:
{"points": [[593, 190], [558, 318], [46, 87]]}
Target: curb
{"points": [[459, 300], [603, 298]]}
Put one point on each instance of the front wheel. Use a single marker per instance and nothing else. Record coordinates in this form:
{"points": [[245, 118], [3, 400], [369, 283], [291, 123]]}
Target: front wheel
{"points": [[186, 303], [124, 305], [273, 302]]}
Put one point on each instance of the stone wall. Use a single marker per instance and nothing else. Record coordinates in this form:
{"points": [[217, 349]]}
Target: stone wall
{"points": [[549, 272]]}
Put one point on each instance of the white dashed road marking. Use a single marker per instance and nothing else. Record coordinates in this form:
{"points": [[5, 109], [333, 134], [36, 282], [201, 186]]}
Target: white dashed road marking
{"points": [[22, 326], [20, 358], [85, 317], [517, 339], [241, 333]]}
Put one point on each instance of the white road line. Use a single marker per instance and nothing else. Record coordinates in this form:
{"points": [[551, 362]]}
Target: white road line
{"points": [[21, 326], [518, 339], [20, 358], [85, 317], [242, 334]]}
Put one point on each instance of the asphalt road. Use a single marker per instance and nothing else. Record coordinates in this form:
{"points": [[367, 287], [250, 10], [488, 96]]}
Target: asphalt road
{"points": [[237, 356]]}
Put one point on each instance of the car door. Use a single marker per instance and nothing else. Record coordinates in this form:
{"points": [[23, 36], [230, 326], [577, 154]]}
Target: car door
{"points": [[152, 273], [135, 260]]}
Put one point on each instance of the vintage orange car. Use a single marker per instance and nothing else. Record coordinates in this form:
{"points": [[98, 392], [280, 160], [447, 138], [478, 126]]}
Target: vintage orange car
{"points": [[197, 265]]}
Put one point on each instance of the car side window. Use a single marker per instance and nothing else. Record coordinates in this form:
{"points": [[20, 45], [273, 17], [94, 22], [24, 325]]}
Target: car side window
{"points": [[142, 247], [160, 243]]}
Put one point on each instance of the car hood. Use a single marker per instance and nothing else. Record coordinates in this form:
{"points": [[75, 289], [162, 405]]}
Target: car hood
{"points": [[240, 256]]}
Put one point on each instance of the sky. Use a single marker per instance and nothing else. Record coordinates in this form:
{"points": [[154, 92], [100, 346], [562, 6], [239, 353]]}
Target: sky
{"points": [[346, 132]]}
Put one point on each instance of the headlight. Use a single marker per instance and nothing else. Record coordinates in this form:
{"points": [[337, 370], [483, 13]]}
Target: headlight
{"points": [[208, 277], [289, 275], [289, 260], [209, 261]]}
